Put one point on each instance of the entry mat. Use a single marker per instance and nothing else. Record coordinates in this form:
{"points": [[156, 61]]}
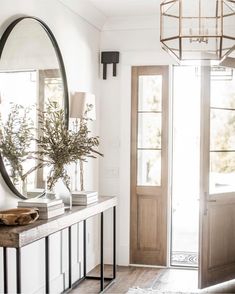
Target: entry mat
{"points": [[184, 258]]}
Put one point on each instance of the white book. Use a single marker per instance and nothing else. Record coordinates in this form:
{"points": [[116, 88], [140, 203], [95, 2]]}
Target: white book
{"points": [[50, 208], [39, 202], [50, 214], [84, 202], [35, 192], [86, 194], [84, 198]]}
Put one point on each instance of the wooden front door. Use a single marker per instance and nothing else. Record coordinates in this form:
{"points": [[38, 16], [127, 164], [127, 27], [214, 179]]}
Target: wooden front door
{"points": [[217, 203], [149, 165]]}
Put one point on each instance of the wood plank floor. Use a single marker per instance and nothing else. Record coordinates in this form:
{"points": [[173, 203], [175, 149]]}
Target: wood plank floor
{"points": [[127, 277], [163, 280]]}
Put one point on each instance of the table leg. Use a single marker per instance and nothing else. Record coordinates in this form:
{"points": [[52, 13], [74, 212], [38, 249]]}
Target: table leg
{"points": [[5, 271], [18, 270], [70, 257], [47, 264], [114, 243], [102, 251], [84, 248]]}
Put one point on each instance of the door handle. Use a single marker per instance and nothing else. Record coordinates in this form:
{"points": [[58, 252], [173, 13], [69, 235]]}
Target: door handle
{"points": [[206, 201]]}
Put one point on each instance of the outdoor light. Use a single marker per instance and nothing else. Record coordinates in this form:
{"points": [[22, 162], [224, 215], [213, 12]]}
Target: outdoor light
{"points": [[198, 29]]}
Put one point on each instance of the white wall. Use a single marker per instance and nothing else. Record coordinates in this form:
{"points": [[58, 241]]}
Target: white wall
{"points": [[137, 39], [79, 44]]}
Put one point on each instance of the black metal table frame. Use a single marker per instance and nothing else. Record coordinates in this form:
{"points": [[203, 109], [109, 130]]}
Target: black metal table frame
{"points": [[102, 279]]}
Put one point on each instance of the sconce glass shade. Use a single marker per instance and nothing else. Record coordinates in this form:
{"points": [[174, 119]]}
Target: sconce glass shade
{"points": [[78, 105], [198, 29]]}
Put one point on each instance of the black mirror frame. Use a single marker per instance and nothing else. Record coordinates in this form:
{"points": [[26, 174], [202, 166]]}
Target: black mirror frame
{"points": [[3, 41]]}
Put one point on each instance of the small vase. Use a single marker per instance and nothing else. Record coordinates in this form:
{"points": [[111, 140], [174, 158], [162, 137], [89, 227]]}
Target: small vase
{"points": [[64, 194], [61, 190], [49, 193], [23, 187]]}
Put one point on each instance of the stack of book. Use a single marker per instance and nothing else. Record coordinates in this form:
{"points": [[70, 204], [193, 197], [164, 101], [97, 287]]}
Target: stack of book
{"points": [[48, 208], [84, 197]]}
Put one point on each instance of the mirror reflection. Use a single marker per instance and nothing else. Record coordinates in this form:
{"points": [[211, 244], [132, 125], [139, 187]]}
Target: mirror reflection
{"points": [[30, 76]]}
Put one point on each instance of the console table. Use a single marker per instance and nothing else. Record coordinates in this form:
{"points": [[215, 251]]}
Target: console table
{"points": [[20, 236]]}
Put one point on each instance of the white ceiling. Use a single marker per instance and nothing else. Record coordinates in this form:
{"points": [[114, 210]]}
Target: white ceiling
{"points": [[112, 8], [110, 14]]}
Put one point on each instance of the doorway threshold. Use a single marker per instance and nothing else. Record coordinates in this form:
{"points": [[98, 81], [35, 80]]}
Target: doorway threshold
{"points": [[148, 265], [184, 258]]}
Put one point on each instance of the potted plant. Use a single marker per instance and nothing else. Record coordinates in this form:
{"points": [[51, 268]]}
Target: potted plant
{"points": [[16, 136], [58, 146]]}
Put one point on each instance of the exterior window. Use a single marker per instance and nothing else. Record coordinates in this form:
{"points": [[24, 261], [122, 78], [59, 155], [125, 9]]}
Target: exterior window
{"points": [[149, 130], [222, 136]]}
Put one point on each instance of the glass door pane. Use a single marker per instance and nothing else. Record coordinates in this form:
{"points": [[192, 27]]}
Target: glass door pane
{"points": [[149, 168], [222, 135], [149, 130]]}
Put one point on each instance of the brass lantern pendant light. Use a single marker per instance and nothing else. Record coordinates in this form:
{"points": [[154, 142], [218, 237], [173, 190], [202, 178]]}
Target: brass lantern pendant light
{"points": [[198, 29]]}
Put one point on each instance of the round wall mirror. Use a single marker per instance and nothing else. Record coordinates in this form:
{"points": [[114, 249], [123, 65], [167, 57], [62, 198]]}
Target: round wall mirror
{"points": [[31, 74]]}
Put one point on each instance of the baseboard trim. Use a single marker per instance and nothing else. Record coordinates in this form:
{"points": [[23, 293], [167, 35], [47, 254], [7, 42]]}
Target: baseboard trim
{"points": [[165, 267]]}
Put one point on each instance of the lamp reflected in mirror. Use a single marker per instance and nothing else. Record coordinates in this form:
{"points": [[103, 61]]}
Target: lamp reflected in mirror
{"points": [[82, 106]]}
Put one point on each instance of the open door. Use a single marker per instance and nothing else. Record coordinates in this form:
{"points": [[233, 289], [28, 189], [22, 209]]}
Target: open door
{"points": [[217, 179]]}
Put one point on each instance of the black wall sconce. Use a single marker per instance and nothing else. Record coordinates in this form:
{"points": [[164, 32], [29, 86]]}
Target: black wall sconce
{"points": [[109, 57]]}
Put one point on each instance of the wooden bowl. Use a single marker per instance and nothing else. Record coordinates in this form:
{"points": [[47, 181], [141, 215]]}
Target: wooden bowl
{"points": [[18, 216]]}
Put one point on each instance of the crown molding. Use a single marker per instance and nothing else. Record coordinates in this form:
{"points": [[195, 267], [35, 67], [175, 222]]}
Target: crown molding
{"points": [[87, 11]]}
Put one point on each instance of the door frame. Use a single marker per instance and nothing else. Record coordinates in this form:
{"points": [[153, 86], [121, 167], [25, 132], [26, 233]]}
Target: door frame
{"points": [[151, 70]]}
